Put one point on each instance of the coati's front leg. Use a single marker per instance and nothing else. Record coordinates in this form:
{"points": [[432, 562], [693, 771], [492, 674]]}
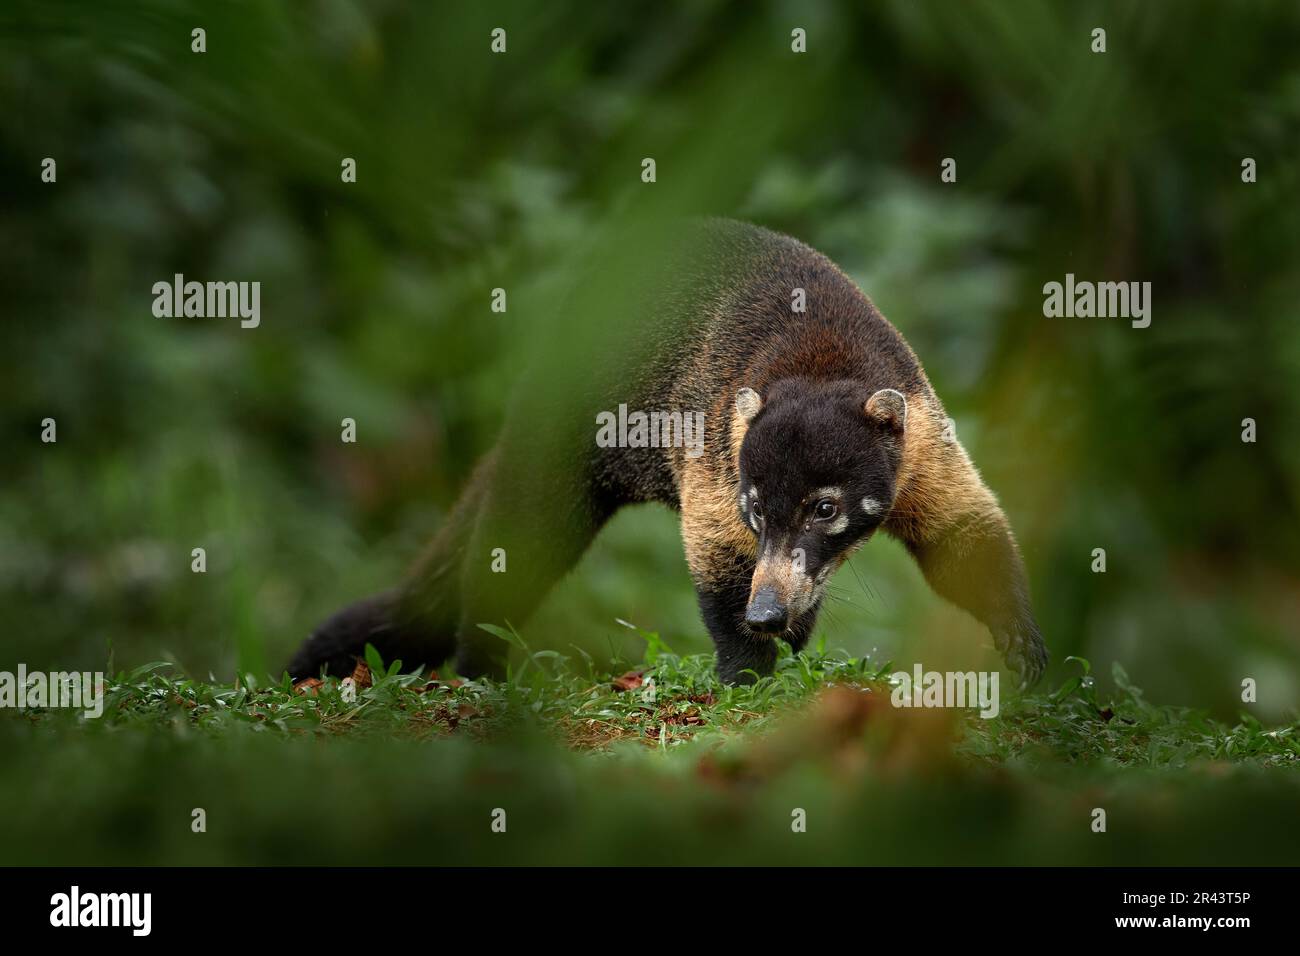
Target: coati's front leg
{"points": [[723, 592], [951, 523], [722, 556], [975, 565], [743, 654]]}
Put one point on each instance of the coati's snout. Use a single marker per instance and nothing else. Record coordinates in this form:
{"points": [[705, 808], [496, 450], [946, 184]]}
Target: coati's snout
{"points": [[780, 591], [817, 466], [767, 613], [784, 587]]}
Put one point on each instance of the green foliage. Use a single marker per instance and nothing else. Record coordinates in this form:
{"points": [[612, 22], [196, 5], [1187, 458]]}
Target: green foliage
{"points": [[477, 171], [409, 771]]}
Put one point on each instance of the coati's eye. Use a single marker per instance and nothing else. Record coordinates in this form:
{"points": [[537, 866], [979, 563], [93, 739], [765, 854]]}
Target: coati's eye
{"points": [[756, 509], [825, 510]]}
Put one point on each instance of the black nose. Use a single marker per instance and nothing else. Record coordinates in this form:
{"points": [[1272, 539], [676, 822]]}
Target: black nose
{"points": [[765, 613]]}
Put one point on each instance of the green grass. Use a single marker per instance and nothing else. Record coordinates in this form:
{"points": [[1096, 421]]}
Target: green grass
{"points": [[413, 767]]}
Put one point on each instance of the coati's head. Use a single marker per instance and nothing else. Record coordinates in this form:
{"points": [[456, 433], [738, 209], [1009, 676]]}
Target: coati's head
{"points": [[818, 464]]}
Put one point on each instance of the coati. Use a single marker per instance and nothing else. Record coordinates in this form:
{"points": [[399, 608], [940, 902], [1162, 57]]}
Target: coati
{"points": [[821, 428]]}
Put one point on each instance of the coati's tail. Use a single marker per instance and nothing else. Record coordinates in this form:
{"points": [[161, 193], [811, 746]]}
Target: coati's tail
{"points": [[523, 505], [416, 622], [340, 641]]}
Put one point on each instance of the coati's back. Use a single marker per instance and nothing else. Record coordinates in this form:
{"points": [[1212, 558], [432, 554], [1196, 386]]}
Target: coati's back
{"points": [[747, 325], [725, 317]]}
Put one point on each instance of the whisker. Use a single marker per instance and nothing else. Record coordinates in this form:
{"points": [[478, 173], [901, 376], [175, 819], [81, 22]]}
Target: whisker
{"points": [[839, 595], [826, 608], [861, 584]]}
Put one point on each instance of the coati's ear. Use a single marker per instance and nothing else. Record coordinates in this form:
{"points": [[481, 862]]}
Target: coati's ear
{"points": [[889, 408], [748, 404]]}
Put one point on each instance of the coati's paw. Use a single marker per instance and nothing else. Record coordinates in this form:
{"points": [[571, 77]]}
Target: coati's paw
{"points": [[1024, 651]]}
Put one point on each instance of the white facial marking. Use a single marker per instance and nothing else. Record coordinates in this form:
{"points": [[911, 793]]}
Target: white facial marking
{"points": [[753, 522], [829, 492], [838, 525], [871, 506]]}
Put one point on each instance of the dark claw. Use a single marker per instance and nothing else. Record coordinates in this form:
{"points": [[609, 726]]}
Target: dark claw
{"points": [[1024, 652]]}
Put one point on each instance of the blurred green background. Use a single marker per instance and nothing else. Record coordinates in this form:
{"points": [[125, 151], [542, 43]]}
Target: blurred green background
{"points": [[478, 170]]}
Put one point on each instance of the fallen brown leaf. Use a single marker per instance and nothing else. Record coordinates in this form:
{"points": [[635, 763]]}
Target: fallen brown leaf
{"points": [[309, 686], [629, 681]]}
